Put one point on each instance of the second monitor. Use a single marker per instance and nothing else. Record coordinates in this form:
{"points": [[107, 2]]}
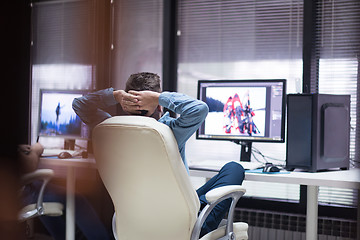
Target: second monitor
{"points": [[243, 111]]}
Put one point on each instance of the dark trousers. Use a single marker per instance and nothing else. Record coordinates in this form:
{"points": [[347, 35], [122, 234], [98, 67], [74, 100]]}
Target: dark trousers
{"points": [[231, 173], [86, 218]]}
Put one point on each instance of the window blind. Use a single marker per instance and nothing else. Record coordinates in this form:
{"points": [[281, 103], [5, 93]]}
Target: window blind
{"points": [[62, 52], [63, 32], [136, 38], [213, 31], [337, 49]]}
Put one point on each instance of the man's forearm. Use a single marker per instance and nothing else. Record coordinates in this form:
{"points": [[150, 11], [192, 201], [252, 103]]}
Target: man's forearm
{"points": [[192, 111], [91, 107]]}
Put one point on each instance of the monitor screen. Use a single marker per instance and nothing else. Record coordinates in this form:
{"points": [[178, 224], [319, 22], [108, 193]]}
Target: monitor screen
{"points": [[57, 118], [243, 110]]}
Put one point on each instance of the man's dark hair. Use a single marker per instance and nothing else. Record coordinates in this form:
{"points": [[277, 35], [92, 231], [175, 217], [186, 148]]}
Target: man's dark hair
{"points": [[143, 81]]}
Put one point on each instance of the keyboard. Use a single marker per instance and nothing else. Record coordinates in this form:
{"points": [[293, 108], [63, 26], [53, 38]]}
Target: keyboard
{"points": [[216, 165], [51, 152]]}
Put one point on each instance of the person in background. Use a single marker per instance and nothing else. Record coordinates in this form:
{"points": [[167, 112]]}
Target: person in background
{"points": [[143, 96]]}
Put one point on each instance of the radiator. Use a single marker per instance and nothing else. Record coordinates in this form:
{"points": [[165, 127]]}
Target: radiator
{"points": [[266, 225]]}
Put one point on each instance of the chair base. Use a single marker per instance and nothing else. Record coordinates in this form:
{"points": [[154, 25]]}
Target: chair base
{"points": [[240, 230], [50, 209]]}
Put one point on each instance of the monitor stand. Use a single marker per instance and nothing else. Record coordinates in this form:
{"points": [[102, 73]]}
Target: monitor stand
{"points": [[69, 144], [245, 153]]}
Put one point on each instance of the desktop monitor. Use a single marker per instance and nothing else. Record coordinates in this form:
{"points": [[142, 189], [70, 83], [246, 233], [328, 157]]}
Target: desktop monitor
{"points": [[56, 116], [243, 111]]}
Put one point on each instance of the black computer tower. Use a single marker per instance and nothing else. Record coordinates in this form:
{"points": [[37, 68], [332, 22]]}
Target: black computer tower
{"points": [[318, 131]]}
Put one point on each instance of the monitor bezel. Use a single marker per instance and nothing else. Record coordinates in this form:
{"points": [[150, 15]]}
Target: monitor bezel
{"points": [[242, 139], [63, 136]]}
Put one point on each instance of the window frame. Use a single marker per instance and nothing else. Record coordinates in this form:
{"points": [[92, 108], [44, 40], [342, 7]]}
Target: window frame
{"points": [[309, 85]]}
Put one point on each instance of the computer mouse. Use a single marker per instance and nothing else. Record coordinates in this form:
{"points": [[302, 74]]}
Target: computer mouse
{"points": [[271, 168], [63, 155]]}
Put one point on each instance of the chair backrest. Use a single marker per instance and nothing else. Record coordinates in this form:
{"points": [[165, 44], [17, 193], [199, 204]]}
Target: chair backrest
{"points": [[139, 162]]}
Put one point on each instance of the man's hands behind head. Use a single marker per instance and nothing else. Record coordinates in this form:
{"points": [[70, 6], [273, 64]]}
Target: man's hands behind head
{"points": [[138, 102]]}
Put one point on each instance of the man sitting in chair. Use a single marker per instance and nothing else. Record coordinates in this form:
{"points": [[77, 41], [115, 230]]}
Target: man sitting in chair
{"points": [[143, 96]]}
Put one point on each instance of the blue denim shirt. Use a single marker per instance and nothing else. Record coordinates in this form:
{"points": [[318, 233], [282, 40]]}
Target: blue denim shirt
{"points": [[91, 109]]}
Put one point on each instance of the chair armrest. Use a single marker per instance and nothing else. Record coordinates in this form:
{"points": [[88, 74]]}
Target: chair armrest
{"points": [[240, 231], [37, 175], [218, 193], [215, 196]]}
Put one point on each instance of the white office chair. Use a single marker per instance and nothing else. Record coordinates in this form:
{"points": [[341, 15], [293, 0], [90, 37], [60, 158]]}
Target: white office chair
{"points": [[139, 162]]}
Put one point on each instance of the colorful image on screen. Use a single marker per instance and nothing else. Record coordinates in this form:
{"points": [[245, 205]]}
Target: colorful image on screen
{"points": [[243, 110], [57, 118], [233, 111]]}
